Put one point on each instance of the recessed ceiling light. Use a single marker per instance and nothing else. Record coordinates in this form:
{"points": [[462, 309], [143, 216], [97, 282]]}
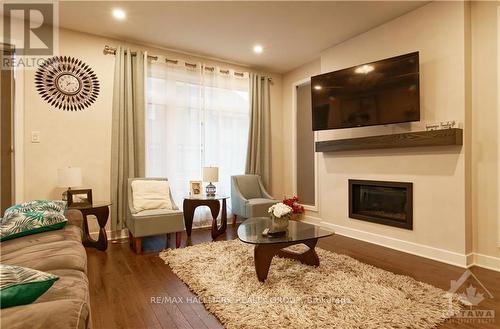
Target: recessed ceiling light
{"points": [[258, 49], [364, 69], [119, 14], [318, 87]]}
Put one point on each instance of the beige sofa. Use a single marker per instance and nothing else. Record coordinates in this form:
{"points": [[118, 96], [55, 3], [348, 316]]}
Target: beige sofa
{"points": [[66, 303]]}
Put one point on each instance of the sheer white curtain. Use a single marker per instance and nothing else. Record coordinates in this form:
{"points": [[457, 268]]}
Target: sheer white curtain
{"points": [[196, 116]]}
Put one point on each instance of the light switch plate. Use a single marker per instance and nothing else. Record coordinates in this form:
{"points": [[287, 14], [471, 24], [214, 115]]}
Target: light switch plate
{"points": [[35, 137]]}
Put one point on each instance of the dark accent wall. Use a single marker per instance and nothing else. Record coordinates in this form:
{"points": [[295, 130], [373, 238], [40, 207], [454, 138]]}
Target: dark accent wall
{"points": [[305, 147]]}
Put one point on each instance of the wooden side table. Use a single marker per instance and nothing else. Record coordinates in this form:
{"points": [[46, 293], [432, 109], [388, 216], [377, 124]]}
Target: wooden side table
{"points": [[192, 202], [101, 211]]}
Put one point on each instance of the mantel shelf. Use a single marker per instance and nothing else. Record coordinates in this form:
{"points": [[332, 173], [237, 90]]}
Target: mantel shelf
{"points": [[412, 139]]}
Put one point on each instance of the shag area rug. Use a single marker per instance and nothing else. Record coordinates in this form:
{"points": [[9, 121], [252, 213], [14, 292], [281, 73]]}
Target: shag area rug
{"points": [[341, 293]]}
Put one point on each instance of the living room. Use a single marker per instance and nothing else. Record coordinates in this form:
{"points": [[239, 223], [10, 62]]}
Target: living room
{"points": [[192, 142]]}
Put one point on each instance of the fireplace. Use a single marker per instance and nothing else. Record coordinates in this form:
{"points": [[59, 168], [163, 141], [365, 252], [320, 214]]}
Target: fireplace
{"points": [[388, 203]]}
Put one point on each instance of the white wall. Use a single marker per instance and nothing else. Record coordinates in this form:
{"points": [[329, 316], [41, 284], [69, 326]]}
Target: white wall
{"points": [[485, 136], [437, 174], [437, 31], [83, 139], [456, 190]]}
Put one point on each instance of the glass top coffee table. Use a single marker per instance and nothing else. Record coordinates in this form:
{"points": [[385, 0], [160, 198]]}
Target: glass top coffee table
{"points": [[266, 247]]}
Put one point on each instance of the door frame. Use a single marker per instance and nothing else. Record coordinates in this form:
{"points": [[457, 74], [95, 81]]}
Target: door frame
{"points": [[8, 50]]}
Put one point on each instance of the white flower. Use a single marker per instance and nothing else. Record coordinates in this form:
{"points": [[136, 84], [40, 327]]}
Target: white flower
{"points": [[279, 210]]}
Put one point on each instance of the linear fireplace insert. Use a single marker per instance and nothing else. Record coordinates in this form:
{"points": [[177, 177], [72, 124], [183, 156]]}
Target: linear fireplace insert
{"points": [[388, 203]]}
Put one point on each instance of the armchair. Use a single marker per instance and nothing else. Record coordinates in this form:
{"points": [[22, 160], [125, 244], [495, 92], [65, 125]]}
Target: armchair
{"points": [[249, 198], [152, 222]]}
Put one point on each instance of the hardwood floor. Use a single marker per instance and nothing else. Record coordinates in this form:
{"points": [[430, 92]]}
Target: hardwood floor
{"points": [[123, 284]]}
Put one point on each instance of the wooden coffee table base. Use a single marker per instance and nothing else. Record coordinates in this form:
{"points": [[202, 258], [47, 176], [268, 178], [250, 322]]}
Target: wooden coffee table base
{"points": [[264, 253]]}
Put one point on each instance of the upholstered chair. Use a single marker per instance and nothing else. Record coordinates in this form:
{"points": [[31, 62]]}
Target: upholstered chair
{"points": [[152, 221], [249, 198]]}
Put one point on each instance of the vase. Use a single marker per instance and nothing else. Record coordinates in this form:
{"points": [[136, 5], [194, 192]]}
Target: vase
{"points": [[279, 225]]}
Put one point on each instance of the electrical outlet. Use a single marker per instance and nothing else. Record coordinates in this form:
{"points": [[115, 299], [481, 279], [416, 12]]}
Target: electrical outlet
{"points": [[35, 137]]}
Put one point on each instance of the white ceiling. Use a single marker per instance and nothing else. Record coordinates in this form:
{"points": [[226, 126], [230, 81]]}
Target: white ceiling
{"points": [[292, 33]]}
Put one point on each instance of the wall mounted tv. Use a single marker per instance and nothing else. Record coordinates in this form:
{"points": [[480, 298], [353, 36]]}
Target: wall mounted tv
{"points": [[376, 93]]}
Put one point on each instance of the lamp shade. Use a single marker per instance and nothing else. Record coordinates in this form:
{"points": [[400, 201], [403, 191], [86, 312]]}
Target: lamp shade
{"points": [[210, 174], [69, 177]]}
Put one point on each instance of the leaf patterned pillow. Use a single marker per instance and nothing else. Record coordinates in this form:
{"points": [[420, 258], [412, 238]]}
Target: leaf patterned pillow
{"points": [[21, 286], [37, 205], [32, 217]]}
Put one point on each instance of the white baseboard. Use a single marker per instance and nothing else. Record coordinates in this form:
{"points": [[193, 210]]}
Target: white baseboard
{"points": [[440, 255], [112, 235], [470, 259], [485, 261], [123, 234]]}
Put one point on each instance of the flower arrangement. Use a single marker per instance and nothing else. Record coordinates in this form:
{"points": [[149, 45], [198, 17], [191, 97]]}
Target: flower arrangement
{"points": [[293, 203], [279, 210], [280, 216]]}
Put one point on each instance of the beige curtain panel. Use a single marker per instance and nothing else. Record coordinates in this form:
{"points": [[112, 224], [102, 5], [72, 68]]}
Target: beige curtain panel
{"points": [[127, 143], [259, 135]]}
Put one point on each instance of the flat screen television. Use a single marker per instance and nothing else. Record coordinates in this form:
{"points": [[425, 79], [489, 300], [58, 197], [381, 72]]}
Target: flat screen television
{"points": [[376, 93]]}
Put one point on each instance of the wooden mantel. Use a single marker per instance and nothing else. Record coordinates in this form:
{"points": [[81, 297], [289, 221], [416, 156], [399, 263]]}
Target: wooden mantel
{"points": [[443, 137]]}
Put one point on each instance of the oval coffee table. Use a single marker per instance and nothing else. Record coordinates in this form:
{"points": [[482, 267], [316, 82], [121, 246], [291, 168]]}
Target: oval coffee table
{"points": [[266, 247]]}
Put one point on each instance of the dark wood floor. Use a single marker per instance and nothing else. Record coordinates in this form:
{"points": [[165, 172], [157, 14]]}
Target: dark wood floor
{"points": [[123, 283]]}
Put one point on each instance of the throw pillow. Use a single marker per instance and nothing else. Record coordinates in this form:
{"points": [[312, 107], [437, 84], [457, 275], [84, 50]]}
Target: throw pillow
{"points": [[32, 217], [37, 205], [151, 194], [20, 285]]}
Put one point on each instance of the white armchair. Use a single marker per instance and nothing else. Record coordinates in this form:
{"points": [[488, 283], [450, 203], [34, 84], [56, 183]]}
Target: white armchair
{"points": [[152, 222], [249, 198]]}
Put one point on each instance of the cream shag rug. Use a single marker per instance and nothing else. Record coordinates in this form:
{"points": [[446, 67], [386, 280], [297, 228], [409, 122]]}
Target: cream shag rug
{"points": [[341, 293]]}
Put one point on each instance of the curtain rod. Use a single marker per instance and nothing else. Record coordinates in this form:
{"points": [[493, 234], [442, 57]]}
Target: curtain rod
{"points": [[112, 51]]}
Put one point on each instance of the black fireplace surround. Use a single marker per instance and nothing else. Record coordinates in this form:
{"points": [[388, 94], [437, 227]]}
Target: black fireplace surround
{"points": [[388, 203]]}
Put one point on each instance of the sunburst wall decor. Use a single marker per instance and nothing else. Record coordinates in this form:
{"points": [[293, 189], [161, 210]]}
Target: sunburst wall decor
{"points": [[67, 83]]}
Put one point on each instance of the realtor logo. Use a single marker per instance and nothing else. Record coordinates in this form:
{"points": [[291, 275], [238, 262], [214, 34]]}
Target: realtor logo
{"points": [[29, 27], [470, 295]]}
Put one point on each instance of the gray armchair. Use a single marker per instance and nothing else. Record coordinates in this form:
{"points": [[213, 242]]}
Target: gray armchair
{"points": [[152, 222], [249, 198]]}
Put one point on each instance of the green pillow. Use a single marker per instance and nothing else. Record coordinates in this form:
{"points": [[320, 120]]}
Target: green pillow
{"points": [[32, 217], [58, 206], [20, 285]]}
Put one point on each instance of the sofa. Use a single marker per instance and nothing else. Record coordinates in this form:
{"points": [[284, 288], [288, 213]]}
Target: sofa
{"points": [[66, 304]]}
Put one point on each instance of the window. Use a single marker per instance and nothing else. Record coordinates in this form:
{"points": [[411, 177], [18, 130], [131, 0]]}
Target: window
{"points": [[195, 117]]}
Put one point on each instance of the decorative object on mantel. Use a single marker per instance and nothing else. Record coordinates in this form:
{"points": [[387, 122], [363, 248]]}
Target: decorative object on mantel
{"points": [[340, 291], [210, 175], [280, 215], [431, 126], [297, 208], [69, 177], [67, 83], [441, 125], [442, 137]]}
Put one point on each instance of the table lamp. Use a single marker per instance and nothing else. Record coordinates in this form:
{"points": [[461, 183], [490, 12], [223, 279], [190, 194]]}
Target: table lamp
{"points": [[68, 177], [210, 174]]}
